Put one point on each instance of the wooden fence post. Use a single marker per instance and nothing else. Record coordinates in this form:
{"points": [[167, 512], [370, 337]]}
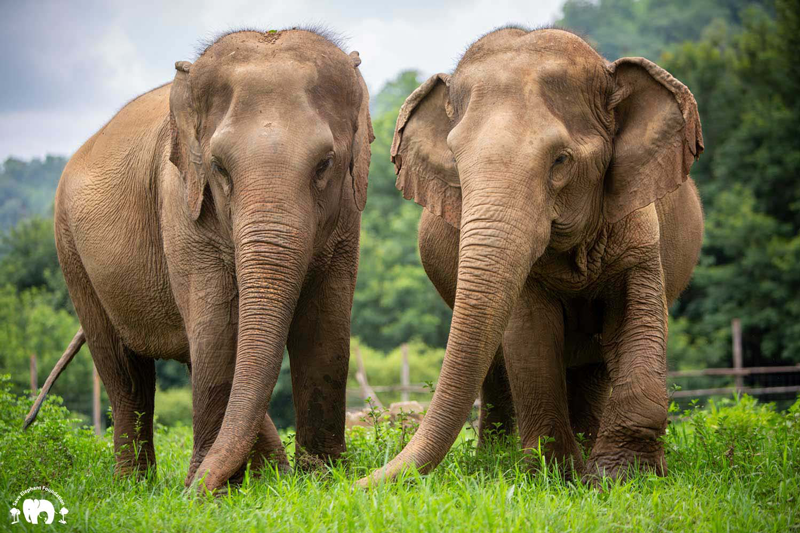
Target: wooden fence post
{"points": [[34, 377], [98, 429], [405, 374], [361, 377], [736, 330]]}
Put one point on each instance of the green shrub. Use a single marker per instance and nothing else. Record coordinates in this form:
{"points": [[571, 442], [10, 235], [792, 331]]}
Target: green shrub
{"points": [[174, 407], [49, 449]]}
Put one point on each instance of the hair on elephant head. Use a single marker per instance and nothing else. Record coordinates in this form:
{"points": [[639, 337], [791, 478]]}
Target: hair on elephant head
{"points": [[530, 146], [237, 100]]}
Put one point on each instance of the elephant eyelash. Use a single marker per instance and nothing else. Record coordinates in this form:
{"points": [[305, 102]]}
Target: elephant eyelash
{"points": [[217, 167], [324, 165], [561, 159]]}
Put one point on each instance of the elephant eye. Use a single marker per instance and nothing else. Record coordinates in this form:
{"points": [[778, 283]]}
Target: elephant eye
{"points": [[216, 166], [562, 158], [324, 165]]}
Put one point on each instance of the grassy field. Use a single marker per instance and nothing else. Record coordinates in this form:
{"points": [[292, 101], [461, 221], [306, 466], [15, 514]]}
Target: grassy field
{"points": [[734, 466]]}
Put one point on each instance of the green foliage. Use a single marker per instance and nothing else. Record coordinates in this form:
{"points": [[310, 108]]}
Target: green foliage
{"points": [[620, 28], [384, 368], [28, 259], [48, 449], [733, 467], [174, 406], [737, 440], [26, 188], [29, 324], [171, 374], [750, 267], [281, 404], [394, 300]]}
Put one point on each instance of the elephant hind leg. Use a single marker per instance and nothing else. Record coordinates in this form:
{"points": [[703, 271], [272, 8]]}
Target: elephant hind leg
{"points": [[497, 404], [588, 389], [129, 379]]}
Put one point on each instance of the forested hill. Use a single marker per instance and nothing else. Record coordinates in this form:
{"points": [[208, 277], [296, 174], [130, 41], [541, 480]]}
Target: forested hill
{"points": [[646, 28], [27, 188]]}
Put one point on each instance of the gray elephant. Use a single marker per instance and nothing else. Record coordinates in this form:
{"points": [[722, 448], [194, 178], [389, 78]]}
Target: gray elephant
{"points": [[33, 508], [561, 222], [215, 221]]}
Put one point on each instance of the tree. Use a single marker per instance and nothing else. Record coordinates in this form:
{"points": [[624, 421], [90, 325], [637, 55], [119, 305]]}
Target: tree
{"points": [[29, 325], [28, 188], [28, 259], [394, 300]]}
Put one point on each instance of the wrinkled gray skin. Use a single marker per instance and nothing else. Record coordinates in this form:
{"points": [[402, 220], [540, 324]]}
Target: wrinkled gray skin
{"points": [[560, 220], [215, 221]]}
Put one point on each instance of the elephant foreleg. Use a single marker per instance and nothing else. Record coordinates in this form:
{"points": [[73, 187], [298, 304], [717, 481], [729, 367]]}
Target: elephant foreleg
{"points": [[212, 337], [533, 347], [319, 351], [634, 349]]}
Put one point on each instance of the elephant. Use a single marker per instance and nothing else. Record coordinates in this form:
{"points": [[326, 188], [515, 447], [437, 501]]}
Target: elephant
{"points": [[33, 508], [560, 222], [215, 221]]}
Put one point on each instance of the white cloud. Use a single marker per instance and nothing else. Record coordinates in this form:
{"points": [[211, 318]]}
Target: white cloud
{"points": [[89, 60]]}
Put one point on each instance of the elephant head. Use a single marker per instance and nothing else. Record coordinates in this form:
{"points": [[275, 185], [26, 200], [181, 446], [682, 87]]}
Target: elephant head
{"points": [[271, 137], [532, 144], [33, 508]]}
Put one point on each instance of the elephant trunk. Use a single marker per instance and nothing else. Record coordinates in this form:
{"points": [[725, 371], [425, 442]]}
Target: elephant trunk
{"points": [[496, 250], [273, 248]]}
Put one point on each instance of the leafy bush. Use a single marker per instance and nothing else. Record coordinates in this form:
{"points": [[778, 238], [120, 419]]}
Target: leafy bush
{"points": [[174, 407], [740, 441], [49, 449]]}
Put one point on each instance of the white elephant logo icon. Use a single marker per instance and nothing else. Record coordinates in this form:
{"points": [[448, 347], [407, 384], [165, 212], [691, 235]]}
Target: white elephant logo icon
{"points": [[33, 508]]}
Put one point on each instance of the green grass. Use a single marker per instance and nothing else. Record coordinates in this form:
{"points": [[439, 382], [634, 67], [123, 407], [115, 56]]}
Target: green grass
{"points": [[734, 466]]}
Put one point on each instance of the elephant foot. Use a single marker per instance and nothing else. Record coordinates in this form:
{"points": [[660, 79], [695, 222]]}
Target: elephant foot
{"points": [[314, 462], [562, 453], [623, 464], [143, 466]]}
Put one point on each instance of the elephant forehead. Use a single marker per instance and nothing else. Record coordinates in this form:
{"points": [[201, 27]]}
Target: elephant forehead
{"points": [[284, 89]]}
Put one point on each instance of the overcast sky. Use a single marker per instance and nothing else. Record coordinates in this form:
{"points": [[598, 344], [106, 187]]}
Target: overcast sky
{"points": [[67, 66]]}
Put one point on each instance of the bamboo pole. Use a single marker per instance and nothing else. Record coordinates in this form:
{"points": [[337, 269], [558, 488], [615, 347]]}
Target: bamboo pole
{"points": [[361, 377], [34, 376], [736, 330], [405, 373]]}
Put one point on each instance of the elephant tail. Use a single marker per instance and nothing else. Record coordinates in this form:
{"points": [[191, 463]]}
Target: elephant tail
{"points": [[72, 349]]}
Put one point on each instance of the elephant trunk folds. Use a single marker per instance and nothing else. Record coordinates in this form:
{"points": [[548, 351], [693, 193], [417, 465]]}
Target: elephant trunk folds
{"points": [[490, 279], [272, 258]]}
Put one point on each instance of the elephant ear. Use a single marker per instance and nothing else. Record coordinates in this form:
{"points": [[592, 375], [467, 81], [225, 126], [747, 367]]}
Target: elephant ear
{"points": [[359, 164], [425, 167], [658, 136], [186, 153]]}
